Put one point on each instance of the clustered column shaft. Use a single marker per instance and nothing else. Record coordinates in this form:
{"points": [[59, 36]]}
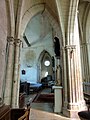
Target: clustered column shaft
{"points": [[15, 95], [12, 81], [75, 90], [9, 71]]}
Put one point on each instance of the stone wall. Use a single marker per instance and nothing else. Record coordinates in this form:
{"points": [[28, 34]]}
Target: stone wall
{"points": [[3, 37]]}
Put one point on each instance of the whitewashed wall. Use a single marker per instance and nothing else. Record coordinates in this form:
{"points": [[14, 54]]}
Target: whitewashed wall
{"points": [[29, 58]]}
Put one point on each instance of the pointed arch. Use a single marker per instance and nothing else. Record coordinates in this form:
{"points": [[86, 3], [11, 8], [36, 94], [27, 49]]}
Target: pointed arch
{"points": [[10, 18], [36, 9], [31, 12], [40, 59], [71, 21]]}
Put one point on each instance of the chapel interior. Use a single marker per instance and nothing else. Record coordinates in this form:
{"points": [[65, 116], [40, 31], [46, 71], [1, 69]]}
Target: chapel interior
{"points": [[45, 59]]}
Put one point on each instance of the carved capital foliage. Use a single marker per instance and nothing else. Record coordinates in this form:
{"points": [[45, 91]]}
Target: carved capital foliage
{"points": [[70, 47], [18, 42], [10, 40]]}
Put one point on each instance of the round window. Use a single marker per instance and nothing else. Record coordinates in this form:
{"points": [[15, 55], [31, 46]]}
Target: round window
{"points": [[47, 63]]}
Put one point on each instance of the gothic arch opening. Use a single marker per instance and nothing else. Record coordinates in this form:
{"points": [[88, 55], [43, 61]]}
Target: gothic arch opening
{"points": [[44, 65], [38, 36]]}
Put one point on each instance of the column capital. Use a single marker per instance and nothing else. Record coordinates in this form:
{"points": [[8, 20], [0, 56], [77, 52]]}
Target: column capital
{"points": [[70, 47], [17, 42], [10, 40]]}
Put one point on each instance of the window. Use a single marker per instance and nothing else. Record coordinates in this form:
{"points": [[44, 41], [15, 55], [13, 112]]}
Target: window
{"points": [[47, 63]]}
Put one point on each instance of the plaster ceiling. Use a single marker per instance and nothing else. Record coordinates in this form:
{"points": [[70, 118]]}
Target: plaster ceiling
{"points": [[37, 29]]}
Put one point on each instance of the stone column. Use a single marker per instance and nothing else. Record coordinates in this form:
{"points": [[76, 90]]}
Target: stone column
{"points": [[9, 71], [75, 101], [16, 80]]}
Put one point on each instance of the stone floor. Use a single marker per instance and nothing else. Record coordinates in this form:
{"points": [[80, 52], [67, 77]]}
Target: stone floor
{"points": [[44, 111], [43, 115]]}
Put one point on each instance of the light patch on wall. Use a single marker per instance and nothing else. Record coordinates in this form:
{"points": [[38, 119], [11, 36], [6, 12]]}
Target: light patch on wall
{"points": [[46, 74], [30, 57]]}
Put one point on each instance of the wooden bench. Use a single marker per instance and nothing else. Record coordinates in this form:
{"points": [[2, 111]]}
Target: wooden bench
{"points": [[16, 113], [5, 112], [21, 100], [25, 116]]}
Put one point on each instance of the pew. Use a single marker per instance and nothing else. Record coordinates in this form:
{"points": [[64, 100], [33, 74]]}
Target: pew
{"points": [[21, 100], [5, 112], [8, 113], [25, 116], [16, 113]]}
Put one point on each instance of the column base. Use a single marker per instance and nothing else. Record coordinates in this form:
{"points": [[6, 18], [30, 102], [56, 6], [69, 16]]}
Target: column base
{"points": [[73, 113], [15, 106], [15, 103]]}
